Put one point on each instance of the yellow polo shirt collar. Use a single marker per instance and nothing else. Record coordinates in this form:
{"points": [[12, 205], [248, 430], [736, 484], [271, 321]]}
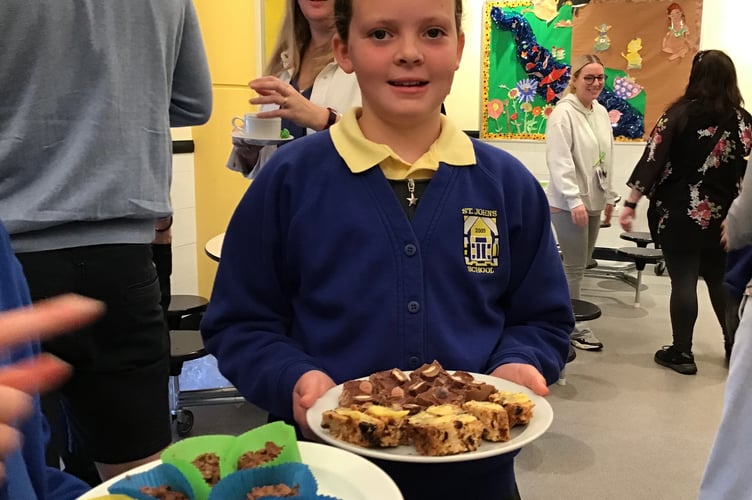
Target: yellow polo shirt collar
{"points": [[452, 147]]}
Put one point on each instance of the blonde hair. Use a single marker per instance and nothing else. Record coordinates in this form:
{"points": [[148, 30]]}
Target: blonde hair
{"points": [[580, 63], [293, 40]]}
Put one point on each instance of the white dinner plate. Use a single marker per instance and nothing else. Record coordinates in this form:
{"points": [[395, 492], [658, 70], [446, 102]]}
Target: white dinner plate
{"points": [[260, 142], [338, 473], [543, 415]]}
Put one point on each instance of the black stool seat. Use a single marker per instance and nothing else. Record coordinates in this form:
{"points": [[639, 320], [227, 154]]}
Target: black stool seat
{"points": [[184, 305], [185, 345], [642, 255], [641, 238], [188, 303], [584, 310]]}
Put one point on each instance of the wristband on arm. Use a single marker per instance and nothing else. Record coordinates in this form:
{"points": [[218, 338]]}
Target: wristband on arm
{"points": [[332, 117]]}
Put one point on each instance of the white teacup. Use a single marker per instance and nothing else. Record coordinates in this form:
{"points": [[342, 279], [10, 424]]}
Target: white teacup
{"points": [[258, 128]]}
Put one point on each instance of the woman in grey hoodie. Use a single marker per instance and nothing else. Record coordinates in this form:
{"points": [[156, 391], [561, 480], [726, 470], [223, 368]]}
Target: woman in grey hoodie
{"points": [[579, 155]]}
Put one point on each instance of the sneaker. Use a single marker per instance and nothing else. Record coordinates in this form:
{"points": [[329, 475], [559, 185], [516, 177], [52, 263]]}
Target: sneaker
{"points": [[584, 339], [681, 362], [572, 354]]}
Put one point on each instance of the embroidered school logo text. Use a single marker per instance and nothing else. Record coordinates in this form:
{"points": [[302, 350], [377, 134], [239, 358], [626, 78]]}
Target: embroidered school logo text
{"points": [[480, 240]]}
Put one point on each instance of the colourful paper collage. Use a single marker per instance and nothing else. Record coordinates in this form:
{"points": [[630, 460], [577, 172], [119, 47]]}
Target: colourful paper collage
{"points": [[646, 45], [525, 67]]}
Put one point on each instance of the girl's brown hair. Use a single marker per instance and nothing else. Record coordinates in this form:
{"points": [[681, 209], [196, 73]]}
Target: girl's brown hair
{"points": [[713, 83], [293, 40], [343, 16]]}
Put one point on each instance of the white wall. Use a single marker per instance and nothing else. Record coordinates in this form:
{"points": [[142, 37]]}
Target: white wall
{"points": [[184, 261], [182, 195]]}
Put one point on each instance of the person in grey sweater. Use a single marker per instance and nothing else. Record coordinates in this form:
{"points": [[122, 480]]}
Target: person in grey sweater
{"points": [[90, 91], [726, 473]]}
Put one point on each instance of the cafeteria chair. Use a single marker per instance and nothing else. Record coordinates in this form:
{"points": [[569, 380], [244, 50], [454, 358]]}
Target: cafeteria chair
{"points": [[638, 257], [641, 257], [187, 345], [642, 239]]}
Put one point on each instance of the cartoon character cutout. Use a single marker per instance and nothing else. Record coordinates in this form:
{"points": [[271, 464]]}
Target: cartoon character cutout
{"points": [[675, 41], [602, 41], [633, 57], [545, 10]]}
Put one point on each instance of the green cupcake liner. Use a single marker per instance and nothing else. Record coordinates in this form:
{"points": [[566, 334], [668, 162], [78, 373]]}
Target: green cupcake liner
{"points": [[279, 433], [182, 453]]}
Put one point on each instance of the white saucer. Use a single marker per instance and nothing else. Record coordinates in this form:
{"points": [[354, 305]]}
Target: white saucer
{"points": [[253, 141]]}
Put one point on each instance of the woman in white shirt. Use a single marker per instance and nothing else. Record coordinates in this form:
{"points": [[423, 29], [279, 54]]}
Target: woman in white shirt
{"points": [[579, 155], [304, 85]]}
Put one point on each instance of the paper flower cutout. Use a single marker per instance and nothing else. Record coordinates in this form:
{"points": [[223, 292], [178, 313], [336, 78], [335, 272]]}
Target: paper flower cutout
{"points": [[495, 108], [527, 89]]}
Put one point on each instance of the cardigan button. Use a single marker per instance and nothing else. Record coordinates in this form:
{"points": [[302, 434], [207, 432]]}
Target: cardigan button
{"points": [[410, 249], [413, 306]]}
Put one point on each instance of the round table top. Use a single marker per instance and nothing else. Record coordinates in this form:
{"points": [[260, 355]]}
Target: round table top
{"points": [[213, 247]]}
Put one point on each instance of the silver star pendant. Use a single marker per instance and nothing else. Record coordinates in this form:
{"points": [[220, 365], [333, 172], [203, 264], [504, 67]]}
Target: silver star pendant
{"points": [[412, 200]]}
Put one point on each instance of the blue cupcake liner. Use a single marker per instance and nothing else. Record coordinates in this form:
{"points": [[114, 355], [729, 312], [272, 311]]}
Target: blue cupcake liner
{"points": [[164, 474], [237, 485]]}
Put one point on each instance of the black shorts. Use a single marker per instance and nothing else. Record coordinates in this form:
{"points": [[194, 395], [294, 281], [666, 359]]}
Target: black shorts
{"points": [[117, 398]]}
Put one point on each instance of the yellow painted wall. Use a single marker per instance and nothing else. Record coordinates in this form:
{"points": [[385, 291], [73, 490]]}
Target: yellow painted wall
{"points": [[229, 33], [273, 12]]}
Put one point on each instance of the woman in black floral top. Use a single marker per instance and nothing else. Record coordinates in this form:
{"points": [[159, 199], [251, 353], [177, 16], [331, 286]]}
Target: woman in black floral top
{"points": [[690, 170]]}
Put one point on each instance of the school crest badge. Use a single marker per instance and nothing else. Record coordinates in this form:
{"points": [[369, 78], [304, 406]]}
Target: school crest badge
{"points": [[480, 240]]}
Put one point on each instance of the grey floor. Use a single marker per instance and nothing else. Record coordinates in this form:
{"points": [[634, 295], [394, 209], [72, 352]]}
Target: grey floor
{"points": [[624, 427]]}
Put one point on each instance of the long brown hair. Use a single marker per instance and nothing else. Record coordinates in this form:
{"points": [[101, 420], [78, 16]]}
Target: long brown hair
{"points": [[293, 39], [713, 83]]}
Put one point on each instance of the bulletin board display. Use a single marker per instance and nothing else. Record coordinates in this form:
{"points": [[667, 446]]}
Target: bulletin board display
{"points": [[646, 46]]}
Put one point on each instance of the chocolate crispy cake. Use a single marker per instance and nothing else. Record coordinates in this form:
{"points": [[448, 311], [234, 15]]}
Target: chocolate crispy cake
{"points": [[440, 413]]}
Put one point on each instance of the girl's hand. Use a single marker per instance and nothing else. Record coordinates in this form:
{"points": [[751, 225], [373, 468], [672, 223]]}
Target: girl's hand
{"points": [[310, 387], [523, 374]]}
